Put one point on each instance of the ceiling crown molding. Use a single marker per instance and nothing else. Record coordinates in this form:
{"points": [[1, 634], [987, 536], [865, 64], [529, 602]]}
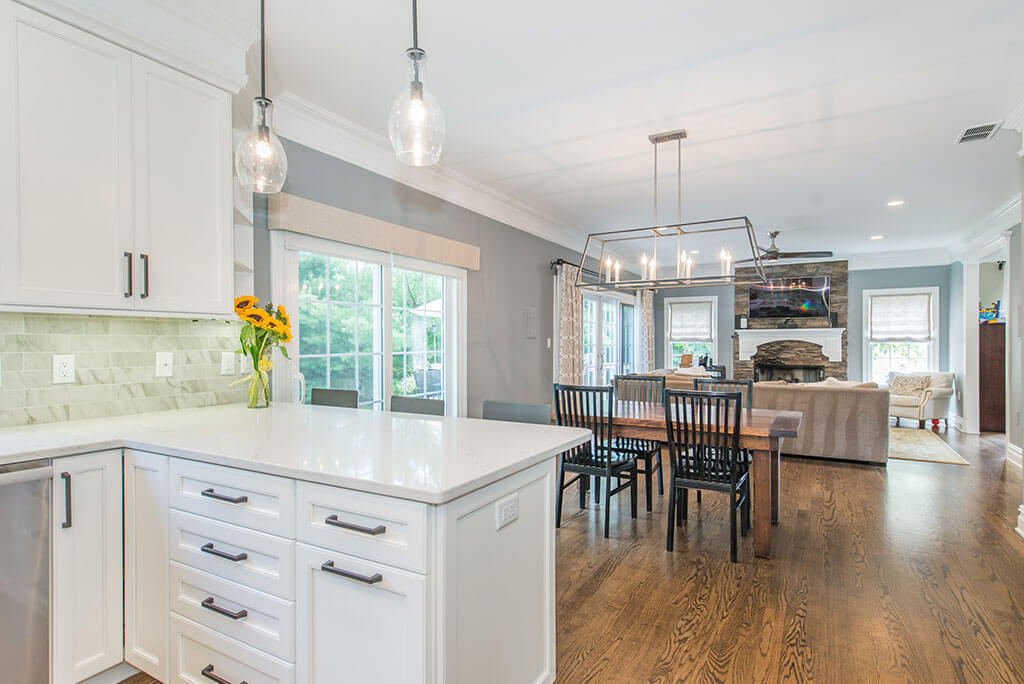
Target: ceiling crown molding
{"points": [[989, 235], [193, 36], [308, 124], [1015, 121]]}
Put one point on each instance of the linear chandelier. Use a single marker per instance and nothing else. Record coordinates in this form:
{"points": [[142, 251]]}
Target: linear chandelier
{"points": [[663, 255]]}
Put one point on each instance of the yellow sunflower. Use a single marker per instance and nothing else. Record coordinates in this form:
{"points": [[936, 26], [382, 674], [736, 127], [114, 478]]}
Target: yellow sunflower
{"points": [[245, 302], [287, 335], [283, 315], [274, 325], [255, 316]]}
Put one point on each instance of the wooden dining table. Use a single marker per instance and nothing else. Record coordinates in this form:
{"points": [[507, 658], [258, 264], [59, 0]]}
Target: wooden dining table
{"points": [[761, 432]]}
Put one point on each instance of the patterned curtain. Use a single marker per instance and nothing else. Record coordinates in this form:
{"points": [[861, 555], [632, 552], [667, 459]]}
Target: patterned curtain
{"points": [[570, 327], [646, 345]]}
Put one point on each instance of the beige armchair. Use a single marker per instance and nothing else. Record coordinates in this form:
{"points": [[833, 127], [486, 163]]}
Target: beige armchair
{"points": [[932, 404]]}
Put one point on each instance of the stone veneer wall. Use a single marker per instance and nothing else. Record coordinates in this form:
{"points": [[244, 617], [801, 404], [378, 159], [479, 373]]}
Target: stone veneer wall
{"points": [[115, 366], [795, 352]]}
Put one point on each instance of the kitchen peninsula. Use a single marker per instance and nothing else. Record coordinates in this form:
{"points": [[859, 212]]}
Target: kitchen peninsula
{"points": [[301, 544]]}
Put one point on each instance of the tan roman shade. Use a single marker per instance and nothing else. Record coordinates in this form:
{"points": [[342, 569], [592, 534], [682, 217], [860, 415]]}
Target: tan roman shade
{"points": [[298, 215]]}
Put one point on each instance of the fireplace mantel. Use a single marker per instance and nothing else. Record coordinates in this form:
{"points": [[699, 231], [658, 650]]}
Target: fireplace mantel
{"points": [[830, 340]]}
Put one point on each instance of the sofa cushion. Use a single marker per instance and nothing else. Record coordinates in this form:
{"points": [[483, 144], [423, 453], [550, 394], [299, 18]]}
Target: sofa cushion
{"points": [[909, 385], [910, 400]]}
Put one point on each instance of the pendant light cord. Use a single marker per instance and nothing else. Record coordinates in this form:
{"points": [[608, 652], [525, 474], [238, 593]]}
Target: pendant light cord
{"points": [[415, 27], [263, 51]]}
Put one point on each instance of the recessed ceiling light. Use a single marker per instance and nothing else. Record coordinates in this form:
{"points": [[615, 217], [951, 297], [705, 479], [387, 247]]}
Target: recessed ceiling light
{"points": [[877, 237], [896, 203]]}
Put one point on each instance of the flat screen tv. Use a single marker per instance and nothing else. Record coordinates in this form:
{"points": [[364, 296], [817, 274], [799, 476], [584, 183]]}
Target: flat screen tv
{"points": [[790, 298]]}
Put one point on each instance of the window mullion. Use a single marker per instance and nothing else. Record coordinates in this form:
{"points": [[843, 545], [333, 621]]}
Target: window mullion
{"points": [[386, 310]]}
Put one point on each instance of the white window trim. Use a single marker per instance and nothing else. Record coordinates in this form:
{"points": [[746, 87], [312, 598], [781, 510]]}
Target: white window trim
{"points": [[283, 289], [934, 344], [667, 317]]}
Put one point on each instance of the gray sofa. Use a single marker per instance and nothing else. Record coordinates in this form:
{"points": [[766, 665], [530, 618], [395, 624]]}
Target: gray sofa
{"points": [[845, 423]]}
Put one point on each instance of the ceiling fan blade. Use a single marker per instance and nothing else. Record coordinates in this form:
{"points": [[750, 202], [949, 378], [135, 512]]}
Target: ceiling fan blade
{"points": [[805, 255]]}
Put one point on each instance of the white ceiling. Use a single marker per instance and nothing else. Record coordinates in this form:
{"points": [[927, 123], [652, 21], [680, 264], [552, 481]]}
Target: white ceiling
{"points": [[805, 116]]}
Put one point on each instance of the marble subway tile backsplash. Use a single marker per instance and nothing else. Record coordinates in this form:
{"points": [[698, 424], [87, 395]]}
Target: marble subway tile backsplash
{"points": [[115, 366]]}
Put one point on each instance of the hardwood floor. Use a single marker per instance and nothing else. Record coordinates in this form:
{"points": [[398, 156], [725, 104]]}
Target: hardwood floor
{"points": [[906, 573]]}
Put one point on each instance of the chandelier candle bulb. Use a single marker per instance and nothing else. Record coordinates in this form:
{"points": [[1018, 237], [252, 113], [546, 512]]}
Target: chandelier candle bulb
{"points": [[617, 271], [643, 267]]}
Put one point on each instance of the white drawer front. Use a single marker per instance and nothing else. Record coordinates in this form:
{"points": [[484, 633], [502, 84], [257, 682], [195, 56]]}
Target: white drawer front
{"points": [[260, 620], [218, 492], [358, 621], [195, 648], [380, 528], [263, 562]]}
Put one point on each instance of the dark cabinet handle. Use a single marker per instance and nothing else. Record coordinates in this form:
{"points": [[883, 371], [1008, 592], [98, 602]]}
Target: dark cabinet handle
{"points": [[131, 269], [208, 548], [208, 673], [210, 605], [145, 276], [67, 500], [372, 579], [333, 520], [223, 497]]}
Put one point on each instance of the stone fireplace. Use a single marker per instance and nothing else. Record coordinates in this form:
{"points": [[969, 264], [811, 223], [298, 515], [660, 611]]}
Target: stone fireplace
{"points": [[794, 349]]}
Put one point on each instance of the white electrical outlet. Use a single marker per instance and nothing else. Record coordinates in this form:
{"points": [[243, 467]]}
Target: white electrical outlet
{"points": [[227, 363], [63, 368], [506, 511], [164, 364]]}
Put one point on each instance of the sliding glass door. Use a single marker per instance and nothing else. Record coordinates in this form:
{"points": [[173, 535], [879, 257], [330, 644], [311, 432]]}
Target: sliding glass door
{"points": [[368, 321]]}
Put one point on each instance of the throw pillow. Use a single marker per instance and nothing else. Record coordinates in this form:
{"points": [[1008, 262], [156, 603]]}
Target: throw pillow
{"points": [[909, 385]]}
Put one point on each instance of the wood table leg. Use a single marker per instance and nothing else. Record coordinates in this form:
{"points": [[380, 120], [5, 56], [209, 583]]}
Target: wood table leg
{"points": [[761, 471], [776, 456]]}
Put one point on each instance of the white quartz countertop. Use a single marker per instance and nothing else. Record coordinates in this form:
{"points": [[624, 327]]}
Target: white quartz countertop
{"points": [[422, 458]]}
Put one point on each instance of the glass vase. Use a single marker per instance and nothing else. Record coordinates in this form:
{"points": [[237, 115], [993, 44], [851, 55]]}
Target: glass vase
{"points": [[259, 389]]}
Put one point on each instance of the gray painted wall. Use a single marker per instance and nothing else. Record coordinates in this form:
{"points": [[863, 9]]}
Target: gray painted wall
{"points": [[726, 320], [990, 283], [878, 279], [514, 270], [954, 313]]}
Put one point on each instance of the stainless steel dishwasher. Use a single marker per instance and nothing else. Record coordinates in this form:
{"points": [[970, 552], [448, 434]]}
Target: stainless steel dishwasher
{"points": [[25, 572]]}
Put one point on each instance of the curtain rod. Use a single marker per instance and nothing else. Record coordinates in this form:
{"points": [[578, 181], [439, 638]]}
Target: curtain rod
{"points": [[562, 262]]}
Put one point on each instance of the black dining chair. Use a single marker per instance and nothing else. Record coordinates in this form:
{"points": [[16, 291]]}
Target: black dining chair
{"points": [[703, 430], [591, 408], [517, 412], [716, 372], [338, 398], [426, 407], [745, 387], [649, 389]]}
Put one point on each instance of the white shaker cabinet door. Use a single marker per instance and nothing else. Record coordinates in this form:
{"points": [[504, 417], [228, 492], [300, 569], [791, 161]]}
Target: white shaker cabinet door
{"points": [[87, 561], [357, 620], [183, 192], [65, 165], [146, 562]]}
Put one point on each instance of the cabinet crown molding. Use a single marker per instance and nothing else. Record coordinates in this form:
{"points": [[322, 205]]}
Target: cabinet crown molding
{"points": [[196, 37]]}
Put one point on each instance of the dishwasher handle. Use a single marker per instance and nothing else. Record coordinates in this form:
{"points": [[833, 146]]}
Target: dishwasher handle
{"points": [[66, 476]]}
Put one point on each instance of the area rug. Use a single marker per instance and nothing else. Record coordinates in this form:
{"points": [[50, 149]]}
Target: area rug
{"points": [[922, 445]]}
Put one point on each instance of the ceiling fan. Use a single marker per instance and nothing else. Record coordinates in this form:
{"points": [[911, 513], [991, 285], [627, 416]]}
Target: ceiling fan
{"points": [[773, 253]]}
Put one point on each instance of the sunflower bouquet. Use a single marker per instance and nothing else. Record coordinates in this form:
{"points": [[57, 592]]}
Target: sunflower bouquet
{"points": [[264, 330]]}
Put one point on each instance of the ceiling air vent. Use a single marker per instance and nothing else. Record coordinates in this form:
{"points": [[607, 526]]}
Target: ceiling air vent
{"points": [[983, 132]]}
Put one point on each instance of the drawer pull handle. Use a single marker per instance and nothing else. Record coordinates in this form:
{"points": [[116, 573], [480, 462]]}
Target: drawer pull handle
{"points": [[210, 605], [208, 548], [372, 579], [208, 673], [223, 497], [333, 520]]}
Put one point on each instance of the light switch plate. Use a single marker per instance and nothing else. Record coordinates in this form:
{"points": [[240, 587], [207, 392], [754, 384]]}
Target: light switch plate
{"points": [[164, 364], [506, 511], [63, 368], [227, 363]]}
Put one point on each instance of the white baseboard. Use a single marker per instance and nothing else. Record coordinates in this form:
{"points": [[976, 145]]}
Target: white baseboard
{"points": [[1015, 455], [1020, 520], [958, 423]]}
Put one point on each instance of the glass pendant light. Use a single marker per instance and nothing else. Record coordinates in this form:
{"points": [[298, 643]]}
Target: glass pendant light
{"points": [[416, 122], [260, 161]]}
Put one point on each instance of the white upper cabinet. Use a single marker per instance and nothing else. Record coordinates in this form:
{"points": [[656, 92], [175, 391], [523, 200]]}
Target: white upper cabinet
{"points": [[183, 192], [115, 186], [66, 161]]}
